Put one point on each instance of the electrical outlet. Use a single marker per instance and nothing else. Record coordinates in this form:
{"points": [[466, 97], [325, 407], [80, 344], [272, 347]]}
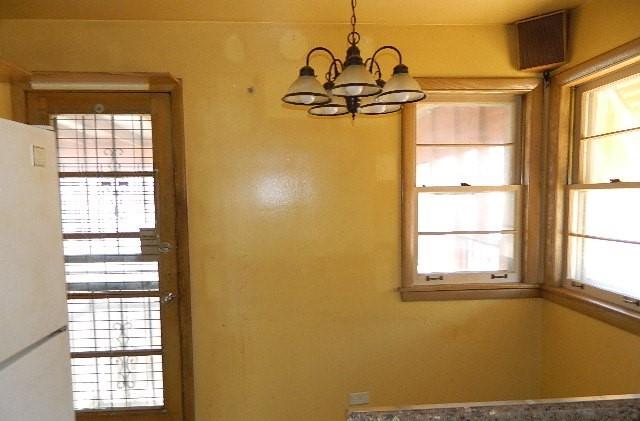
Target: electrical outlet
{"points": [[359, 398]]}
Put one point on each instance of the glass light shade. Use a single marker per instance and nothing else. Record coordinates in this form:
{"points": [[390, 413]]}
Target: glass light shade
{"points": [[306, 90], [375, 107], [356, 81], [401, 89], [335, 107]]}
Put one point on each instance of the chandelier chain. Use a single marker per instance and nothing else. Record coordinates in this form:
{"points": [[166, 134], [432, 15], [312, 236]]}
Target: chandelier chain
{"points": [[354, 37], [353, 15]]}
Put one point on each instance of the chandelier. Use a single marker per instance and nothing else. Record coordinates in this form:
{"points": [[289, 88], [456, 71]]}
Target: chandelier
{"points": [[354, 86]]}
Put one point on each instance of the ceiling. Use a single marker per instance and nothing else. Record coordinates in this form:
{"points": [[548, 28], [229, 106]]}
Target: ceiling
{"points": [[398, 12]]}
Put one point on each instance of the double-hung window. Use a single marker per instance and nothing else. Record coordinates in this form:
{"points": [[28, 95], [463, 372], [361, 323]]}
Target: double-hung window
{"points": [[603, 226], [464, 192]]}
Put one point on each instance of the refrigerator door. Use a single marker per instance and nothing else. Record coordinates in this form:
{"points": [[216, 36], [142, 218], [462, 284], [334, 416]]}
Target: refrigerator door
{"points": [[32, 284], [37, 386]]}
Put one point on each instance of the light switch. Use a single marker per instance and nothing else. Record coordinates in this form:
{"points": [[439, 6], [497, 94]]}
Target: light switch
{"points": [[39, 155]]}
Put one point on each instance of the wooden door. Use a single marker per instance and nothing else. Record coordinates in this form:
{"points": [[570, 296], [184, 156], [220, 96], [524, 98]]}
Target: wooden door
{"points": [[118, 206]]}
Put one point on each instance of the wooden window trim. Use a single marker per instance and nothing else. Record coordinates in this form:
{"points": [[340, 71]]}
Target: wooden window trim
{"points": [[155, 83], [559, 159], [531, 90]]}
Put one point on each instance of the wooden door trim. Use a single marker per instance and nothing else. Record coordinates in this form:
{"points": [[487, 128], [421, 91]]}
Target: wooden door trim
{"points": [[158, 83]]}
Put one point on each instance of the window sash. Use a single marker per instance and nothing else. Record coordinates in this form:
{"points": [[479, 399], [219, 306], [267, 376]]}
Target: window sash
{"points": [[604, 295], [576, 183], [472, 277]]}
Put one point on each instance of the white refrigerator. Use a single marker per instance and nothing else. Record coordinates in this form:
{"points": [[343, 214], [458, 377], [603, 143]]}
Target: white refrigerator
{"points": [[35, 373]]}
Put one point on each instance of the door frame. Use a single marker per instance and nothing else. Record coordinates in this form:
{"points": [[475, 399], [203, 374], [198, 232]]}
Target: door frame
{"points": [[86, 82]]}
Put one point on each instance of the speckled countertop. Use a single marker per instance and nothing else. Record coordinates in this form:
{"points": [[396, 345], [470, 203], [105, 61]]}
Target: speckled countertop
{"points": [[600, 408]]}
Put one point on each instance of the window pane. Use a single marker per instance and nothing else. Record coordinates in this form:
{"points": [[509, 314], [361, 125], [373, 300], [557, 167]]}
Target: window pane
{"points": [[101, 246], [609, 265], [465, 253], [477, 166], [114, 382], [465, 123], [114, 324], [107, 204], [104, 142], [613, 156], [486, 211], [112, 276], [606, 213], [611, 107]]}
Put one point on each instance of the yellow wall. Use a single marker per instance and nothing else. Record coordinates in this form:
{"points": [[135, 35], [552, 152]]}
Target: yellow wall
{"points": [[600, 25], [295, 222], [586, 357], [583, 356], [295, 225]]}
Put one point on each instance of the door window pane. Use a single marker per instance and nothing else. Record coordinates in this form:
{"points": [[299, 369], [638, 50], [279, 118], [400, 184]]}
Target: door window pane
{"points": [[114, 324], [117, 382], [104, 142], [107, 204]]}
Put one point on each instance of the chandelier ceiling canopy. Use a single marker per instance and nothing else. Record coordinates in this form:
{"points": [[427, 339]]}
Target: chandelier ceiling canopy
{"points": [[353, 86]]}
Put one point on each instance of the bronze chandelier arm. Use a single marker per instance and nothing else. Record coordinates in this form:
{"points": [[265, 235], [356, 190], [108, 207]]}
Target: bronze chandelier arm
{"points": [[370, 62], [326, 50], [384, 47]]}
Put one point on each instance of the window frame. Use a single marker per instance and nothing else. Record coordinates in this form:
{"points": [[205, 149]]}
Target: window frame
{"points": [[563, 171], [529, 159]]}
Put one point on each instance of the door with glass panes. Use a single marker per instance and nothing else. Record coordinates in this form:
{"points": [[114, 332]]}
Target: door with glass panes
{"points": [[119, 230]]}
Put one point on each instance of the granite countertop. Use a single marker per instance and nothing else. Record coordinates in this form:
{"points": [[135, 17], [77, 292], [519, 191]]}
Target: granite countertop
{"points": [[600, 408]]}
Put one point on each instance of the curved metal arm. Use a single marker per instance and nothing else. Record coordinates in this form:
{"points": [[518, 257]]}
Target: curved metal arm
{"points": [[378, 72], [336, 70], [326, 50], [384, 47], [336, 64]]}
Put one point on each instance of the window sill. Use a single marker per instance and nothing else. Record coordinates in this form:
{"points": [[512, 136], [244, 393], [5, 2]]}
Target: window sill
{"points": [[469, 291], [613, 314]]}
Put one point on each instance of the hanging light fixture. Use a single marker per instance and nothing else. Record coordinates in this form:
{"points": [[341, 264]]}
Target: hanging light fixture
{"points": [[354, 86]]}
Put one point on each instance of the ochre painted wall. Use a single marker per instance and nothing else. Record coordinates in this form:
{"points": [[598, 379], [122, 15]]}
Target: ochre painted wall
{"points": [[583, 356], [295, 222], [600, 25], [586, 357], [294, 225]]}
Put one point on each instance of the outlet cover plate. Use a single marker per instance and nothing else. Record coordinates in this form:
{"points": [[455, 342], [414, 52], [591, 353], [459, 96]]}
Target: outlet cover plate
{"points": [[359, 398]]}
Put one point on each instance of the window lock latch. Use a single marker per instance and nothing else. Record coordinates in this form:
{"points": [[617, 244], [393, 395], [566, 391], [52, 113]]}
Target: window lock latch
{"points": [[614, 180], [434, 278], [631, 301], [577, 285], [494, 276]]}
